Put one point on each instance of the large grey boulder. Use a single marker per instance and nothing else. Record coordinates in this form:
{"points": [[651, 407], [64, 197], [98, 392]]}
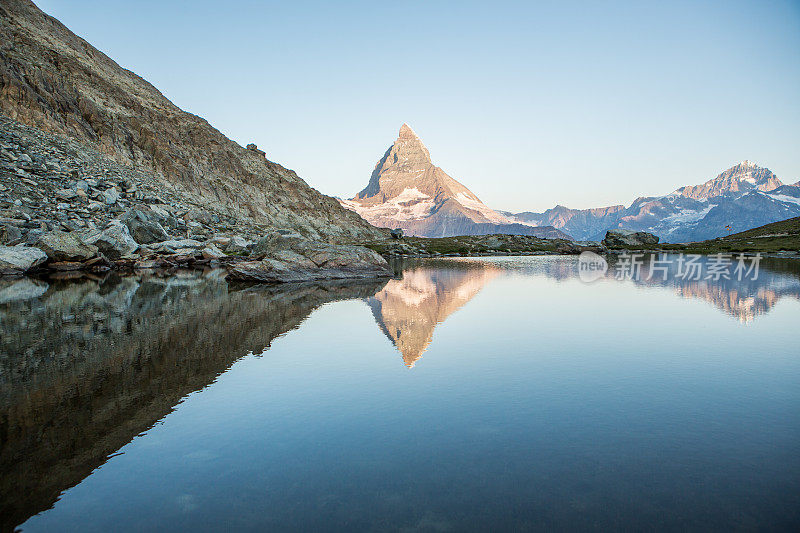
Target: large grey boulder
{"points": [[63, 246], [212, 252], [19, 259], [295, 259], [110, 196], [115, 241], [238, 245], [275, 241], [144, 227], [621, 238], [10, 234], [169, 247]]}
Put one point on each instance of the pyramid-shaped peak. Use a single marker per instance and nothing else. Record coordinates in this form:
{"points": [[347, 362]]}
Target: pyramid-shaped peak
{"points": [[406, 132]]}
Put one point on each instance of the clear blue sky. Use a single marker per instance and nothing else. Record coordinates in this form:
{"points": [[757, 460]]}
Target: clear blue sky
{"points": [[528, 104]]}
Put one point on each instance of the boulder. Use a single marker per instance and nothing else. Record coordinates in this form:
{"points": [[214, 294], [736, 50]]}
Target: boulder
{"points": [[176, 244], [115, 241], [63, 246], [110, 196], [19, 259], [297, 259], [164, 216], [212, 252], [275, 241], [10, 234], [238, 245], [144, 227], [396, 233], [621, 238]]}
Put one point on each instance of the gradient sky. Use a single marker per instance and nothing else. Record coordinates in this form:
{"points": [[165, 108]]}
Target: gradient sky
{"points": [[528, 104]]}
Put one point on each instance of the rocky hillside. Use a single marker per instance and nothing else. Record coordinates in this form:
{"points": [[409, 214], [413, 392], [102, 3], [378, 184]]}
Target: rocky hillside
{"points": [[407, 191], [54, 80], [742, 197]]}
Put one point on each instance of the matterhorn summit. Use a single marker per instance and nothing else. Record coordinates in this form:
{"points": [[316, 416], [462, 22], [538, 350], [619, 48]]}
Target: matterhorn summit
{"points": [[406, 190]]}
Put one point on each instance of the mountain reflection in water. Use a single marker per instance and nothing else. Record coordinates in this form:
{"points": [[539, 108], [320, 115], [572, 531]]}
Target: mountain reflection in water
{"points": [[88, 364], [408, 309]]}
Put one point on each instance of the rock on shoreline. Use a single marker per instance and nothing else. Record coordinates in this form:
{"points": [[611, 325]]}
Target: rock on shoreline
{"points": [[292, 259]]}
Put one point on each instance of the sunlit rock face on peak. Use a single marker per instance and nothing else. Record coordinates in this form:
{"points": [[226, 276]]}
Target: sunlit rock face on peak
{"points": [[406, 190], [742, 177], [407, 310]]}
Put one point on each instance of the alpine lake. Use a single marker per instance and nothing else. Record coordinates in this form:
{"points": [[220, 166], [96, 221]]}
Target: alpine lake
{"points": [[489, 394]]}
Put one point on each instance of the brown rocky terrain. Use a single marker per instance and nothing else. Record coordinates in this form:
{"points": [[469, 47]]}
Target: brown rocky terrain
{"points": [[99, 171], [55, 81]]}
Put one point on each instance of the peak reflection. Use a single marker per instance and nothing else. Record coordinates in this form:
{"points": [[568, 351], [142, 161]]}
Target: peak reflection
{"points": [[407, 310]]}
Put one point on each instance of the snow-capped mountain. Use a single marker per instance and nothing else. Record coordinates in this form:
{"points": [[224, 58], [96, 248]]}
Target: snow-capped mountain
{"points": [[406, 190], [744, 196]]}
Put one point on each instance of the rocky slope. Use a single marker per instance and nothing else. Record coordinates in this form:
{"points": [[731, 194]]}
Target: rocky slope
{"points": [[407, 191], [743, 197], [66, 207], [54, 80]]}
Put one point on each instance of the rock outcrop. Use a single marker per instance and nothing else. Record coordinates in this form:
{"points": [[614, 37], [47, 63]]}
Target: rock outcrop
{"points": [[63, 246], [407, 191], [281, 258], [621, 238], [54, 80], [20, 259]]}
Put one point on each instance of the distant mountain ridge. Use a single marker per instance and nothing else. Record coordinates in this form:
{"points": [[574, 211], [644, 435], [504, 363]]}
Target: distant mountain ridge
{"points": [[742, 197], [406, 190]]}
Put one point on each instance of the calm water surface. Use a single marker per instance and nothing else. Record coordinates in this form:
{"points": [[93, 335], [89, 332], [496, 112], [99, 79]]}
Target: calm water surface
{"points": [[467, 394]]}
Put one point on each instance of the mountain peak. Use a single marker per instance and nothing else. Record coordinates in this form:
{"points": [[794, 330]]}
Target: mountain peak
{"points": [[408, 191], [743, 176], [406, 132]]}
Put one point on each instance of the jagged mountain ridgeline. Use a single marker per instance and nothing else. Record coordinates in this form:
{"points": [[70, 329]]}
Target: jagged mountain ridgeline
{"points": [[57, 82], [743, 197], [407, 191]]}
